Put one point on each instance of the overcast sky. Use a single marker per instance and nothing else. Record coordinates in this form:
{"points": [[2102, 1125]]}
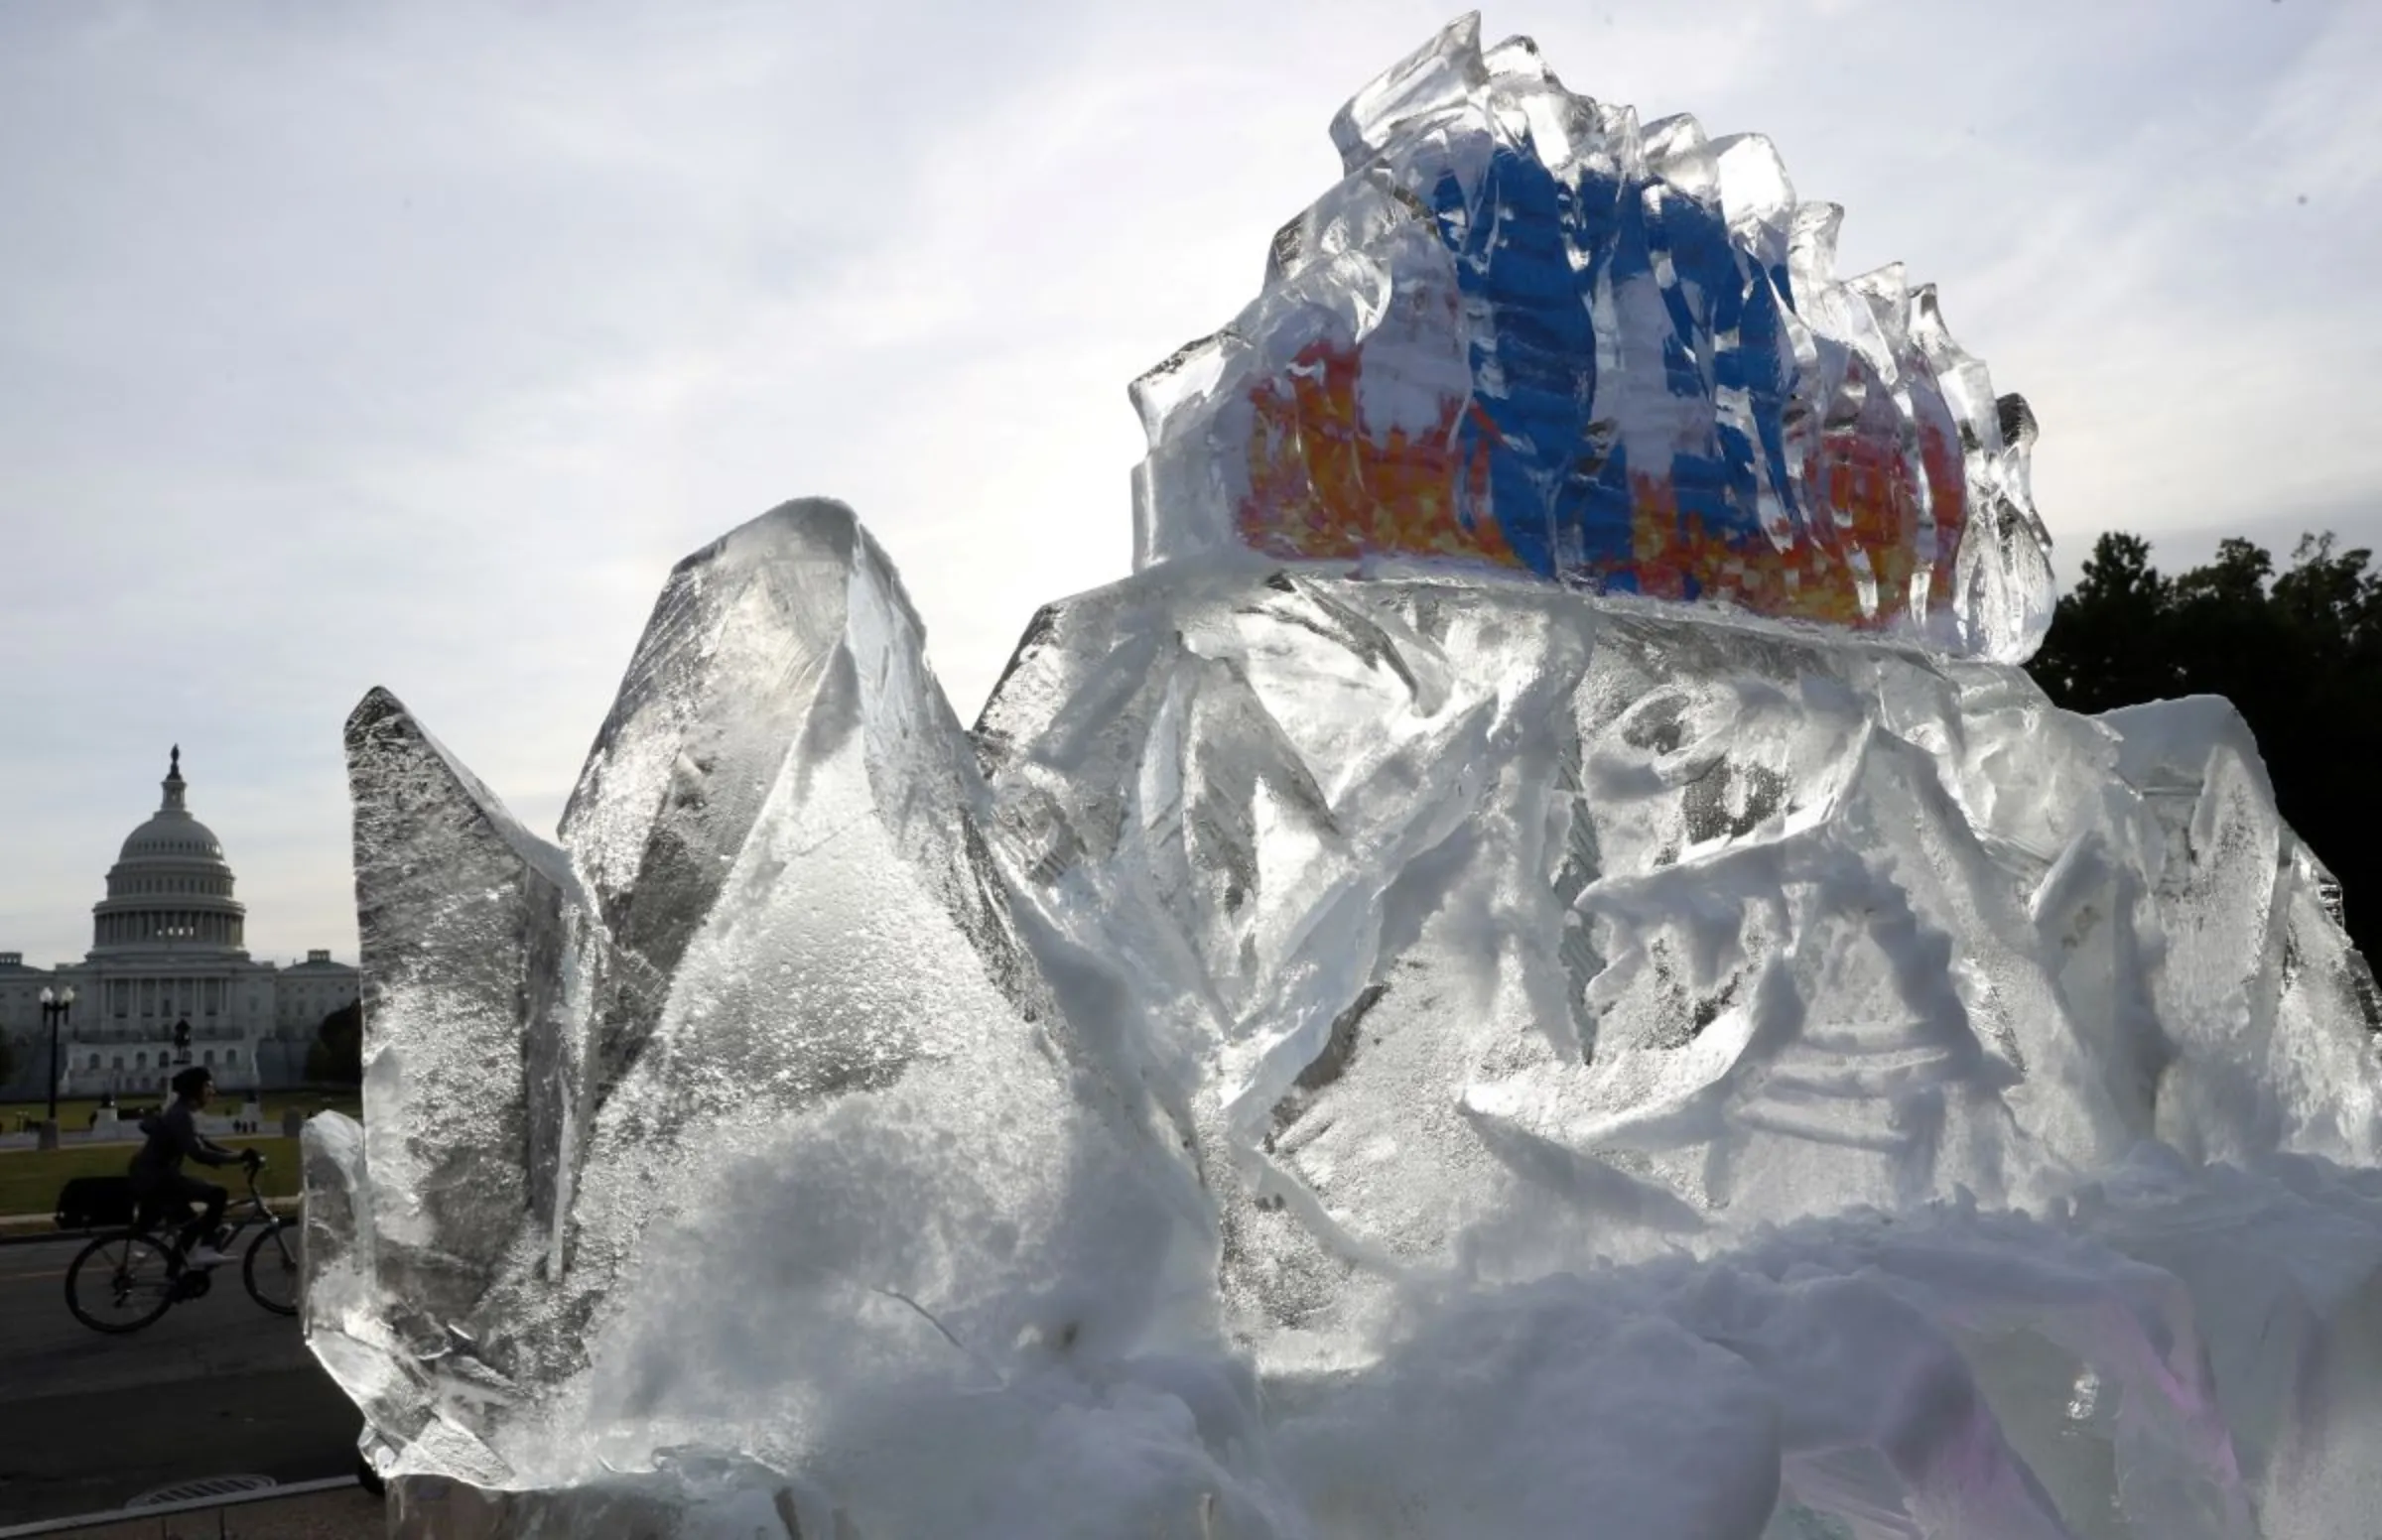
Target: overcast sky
{"points": [[347, 345]]}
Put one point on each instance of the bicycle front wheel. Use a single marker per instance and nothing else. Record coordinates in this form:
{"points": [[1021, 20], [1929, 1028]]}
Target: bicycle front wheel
{"points": [[271, 1270], [120, 1283]]}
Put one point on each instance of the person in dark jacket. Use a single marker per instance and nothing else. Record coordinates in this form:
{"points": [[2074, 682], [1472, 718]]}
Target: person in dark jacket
{"points": [[157, 1176]]}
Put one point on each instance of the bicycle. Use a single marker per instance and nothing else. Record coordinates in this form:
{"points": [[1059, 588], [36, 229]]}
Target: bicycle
{"points": [[126, 1279]]}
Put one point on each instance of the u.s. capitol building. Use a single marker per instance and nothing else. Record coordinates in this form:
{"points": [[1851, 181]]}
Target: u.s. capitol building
{"points": [[168, 949]]}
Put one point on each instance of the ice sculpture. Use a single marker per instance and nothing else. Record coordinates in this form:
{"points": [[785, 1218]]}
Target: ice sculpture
{"points": [[709, 1020], [1528, 332], [1374, 1050]]}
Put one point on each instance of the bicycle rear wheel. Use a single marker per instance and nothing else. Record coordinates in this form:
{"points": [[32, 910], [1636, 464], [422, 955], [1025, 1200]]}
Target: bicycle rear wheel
{"points": [[271, 1270], [120, 1283]]}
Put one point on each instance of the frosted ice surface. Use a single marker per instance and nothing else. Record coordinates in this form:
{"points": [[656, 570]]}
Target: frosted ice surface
{"points": [[1698, 924], [1688, 917], [1530, 332], [464, 926], [1399, 1048]]}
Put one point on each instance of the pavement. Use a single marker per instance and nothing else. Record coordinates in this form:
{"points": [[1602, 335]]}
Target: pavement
{"points": [[341, 1516], [217, 1387]]}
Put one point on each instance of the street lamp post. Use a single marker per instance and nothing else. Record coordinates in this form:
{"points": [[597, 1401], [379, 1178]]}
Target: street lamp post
{"points": [[182, 1048], [55, 1010]]}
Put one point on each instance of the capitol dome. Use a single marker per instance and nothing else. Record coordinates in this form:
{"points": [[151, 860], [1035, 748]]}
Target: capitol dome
{"points": [[171, 887], [173, 837]]}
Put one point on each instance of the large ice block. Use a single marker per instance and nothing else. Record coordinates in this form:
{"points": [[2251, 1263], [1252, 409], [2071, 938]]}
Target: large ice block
{"points": [[1362, 1042], [1539, 894], [1527, 331]]}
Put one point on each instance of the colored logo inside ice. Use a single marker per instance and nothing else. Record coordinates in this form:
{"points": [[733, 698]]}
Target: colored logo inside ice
{"points": [[1523, 470], [1526, 330]]}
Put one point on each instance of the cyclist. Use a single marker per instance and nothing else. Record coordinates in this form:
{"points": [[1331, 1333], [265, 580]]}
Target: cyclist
{"points": [[156, 1178]]}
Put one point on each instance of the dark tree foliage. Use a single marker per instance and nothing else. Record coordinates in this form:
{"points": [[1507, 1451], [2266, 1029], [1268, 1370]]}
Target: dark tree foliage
{"points": [[336, 1056], [2298, 652]]}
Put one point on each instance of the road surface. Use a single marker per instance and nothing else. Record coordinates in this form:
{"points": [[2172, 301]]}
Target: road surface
{"points": [[217, 1387]]}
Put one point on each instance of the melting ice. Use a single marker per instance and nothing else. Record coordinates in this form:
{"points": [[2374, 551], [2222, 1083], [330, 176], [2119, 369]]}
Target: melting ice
{"points": [[1497, 987]]}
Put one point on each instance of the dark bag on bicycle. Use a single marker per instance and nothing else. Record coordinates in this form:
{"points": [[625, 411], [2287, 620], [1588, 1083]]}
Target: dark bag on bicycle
{"points": [[91, 1203]]}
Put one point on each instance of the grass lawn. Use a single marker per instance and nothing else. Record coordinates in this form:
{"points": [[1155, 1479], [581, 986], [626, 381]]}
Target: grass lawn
{"points": [[76, 1112], [30, 1179]]}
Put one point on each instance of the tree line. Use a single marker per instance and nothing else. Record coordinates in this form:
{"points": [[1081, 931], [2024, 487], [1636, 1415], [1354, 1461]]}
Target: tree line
{"points": [[2297, 651], [336, 1055]]}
